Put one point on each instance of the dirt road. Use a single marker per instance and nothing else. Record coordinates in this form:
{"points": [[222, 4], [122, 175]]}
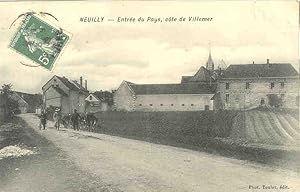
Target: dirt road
{"points": [[49, 169], [131, 165]]}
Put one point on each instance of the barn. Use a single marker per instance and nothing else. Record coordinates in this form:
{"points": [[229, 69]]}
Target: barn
{"points": [[164, 97]]}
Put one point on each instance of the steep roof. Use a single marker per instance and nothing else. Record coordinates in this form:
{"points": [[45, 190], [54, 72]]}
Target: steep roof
{"points": [[104, 96], [260, 70], [71, 85], [31, 99], [210, 62], [186, 88], [202, 75]]}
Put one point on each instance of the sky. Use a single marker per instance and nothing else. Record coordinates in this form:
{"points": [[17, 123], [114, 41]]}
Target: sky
{"points": [[106, 53]]}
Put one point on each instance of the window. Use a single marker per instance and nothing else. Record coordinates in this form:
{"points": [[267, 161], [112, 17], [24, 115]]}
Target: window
{"points": [[151, 104], [262, 101], [227, 98], [192, 104], [272, 85], [206, 107], [227, 85], [140, 104], [161, 104], [247, 85], [172, 104], [282, 85], [91, 97], [182, 104]]}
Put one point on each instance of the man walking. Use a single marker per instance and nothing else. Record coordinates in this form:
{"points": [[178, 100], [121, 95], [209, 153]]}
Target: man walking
{"points": [[43, 120], [75, 120], [57, 118]]}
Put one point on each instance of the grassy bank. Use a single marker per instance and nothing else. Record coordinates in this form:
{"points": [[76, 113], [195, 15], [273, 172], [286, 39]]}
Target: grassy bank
{"points": [[194, 130]]}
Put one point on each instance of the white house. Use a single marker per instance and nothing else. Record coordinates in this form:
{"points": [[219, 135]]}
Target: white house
{"points": [[99, 101]]}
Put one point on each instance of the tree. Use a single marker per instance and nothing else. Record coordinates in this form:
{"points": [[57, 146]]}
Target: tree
{"points": [[275, 101], [10, 105]]}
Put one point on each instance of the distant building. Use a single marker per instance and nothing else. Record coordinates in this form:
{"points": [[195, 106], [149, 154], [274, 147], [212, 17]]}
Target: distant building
{"points": [[249, 86], [239, 87], [28, 103], [99, 101], [164, 97], [65, 94]]}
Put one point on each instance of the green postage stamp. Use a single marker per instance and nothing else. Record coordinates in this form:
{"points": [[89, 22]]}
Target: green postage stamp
{"points": [[39, 41]]}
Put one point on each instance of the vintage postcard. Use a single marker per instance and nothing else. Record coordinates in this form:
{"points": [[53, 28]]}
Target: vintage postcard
{"points": [[149, 96]]}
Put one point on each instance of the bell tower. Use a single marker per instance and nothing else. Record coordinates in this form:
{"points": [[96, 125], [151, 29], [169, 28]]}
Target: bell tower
{"points": [[210, 63]]}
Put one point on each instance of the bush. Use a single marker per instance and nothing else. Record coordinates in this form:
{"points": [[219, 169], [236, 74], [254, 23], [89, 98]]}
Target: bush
{"points": [[275, 100]]}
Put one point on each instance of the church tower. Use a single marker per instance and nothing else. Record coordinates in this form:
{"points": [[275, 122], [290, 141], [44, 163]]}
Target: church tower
{"points": [[210, 63]]}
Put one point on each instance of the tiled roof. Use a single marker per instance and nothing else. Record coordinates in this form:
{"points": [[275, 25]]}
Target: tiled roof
{"points": [[186, 88], [260, 70], [70, 85]]}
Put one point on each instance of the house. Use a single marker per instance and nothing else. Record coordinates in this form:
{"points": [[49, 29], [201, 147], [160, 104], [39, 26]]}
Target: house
{"points": [[28, 103], [65, 94], [249, 86], [99, 101], [164, 97]]}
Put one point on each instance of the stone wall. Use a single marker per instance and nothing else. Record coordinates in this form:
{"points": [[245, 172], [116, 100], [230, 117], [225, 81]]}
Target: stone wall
{"points": [[124, 98]]}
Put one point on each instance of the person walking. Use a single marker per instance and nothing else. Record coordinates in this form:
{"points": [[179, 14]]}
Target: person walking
{"points": [[43, 120], [75, 120], [57, 118]]}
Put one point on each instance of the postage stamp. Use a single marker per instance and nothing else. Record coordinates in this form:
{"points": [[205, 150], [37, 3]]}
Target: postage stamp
{"points": [[39, 41]]}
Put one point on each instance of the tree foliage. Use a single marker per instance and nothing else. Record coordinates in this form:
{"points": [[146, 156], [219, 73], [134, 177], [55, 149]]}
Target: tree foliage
{"points": [[275, 101], [9, 104]]}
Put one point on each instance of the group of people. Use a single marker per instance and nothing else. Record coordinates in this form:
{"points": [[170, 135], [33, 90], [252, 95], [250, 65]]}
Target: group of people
{"points": [[89, 120]]}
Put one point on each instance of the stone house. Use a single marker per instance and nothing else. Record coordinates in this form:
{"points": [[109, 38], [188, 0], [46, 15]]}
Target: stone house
{"points": [[65, 94], [248, 86]]}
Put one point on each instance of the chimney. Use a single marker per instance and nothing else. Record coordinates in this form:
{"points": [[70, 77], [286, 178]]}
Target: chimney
{"points": [[268, 61], [85, 84], [81, 81]]}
